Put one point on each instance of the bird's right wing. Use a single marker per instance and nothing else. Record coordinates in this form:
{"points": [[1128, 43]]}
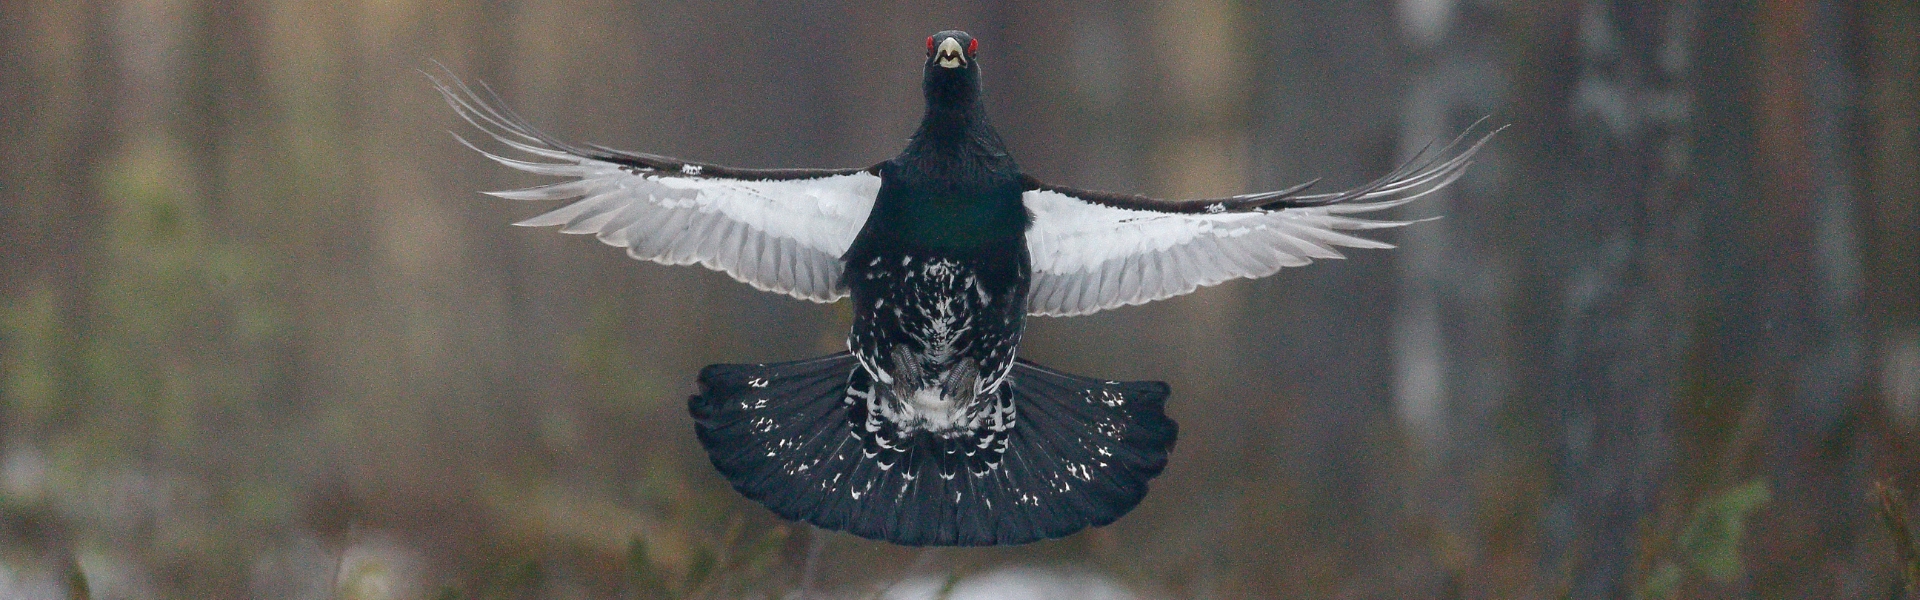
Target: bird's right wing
{"points": [[779, 230]]}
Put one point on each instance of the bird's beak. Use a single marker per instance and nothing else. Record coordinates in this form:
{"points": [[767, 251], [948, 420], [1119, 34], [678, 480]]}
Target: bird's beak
{"points": [[949, 54]]}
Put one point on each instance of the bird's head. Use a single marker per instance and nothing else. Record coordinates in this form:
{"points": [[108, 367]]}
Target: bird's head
{"points": [[951, 49], [952, 74]]}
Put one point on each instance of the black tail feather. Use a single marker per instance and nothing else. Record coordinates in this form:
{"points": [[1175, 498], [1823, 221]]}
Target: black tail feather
{"points": [[1080, 455]]}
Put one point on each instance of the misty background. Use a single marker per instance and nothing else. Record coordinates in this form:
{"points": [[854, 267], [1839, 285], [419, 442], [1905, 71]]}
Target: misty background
{"points": [[260, 335]]}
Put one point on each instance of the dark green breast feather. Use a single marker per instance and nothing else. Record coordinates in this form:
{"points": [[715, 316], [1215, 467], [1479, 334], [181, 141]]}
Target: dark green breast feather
{"points": [[967, 205], [955, 221]]}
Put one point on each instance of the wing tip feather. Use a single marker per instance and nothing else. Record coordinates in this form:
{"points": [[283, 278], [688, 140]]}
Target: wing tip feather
{"points": [[482, 109], [1315, 222]]}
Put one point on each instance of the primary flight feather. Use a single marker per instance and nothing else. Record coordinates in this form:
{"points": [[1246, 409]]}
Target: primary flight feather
{"points": [[929, 430]]}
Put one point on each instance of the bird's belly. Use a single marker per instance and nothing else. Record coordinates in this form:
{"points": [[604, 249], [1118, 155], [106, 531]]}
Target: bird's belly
{"points": [[936, 411], [935, 334]]}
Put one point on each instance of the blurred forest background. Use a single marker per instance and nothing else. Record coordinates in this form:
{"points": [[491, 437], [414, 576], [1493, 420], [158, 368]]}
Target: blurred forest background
{"points": [[263, 338]]}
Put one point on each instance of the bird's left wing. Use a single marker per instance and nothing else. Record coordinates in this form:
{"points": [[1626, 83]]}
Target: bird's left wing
{"points": [[1098, 250], [779, 230]]}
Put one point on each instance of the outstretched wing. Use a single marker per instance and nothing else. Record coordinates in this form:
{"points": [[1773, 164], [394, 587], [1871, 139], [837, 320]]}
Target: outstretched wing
{"points": [[1098, 250], [779, 230]]}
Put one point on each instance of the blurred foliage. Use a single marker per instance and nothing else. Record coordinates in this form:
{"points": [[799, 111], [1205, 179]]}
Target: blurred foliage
{"points": [[1710, 543], [30, 325], [1711, 540], [77, 588], [179, 344], [1893, 513], [180, 313]]}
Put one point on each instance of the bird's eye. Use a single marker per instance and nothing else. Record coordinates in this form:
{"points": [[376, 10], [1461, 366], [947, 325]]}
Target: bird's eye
{"points": [[929, 45], [972, 47]]}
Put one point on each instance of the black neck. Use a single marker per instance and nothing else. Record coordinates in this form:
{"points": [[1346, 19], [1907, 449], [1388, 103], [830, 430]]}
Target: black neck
{"points": [[954, 118], [950, 129]]}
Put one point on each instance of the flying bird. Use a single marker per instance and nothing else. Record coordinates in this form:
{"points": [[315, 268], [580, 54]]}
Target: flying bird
{"points": [[930, 429]]}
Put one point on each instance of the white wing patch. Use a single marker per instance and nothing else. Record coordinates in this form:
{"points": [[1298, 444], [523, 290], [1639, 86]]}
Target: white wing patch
{"points": [[1106, 251], [1089, 257], [781, 234]]}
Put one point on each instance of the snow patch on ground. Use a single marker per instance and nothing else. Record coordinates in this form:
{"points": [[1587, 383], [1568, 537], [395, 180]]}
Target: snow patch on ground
{"points": [[1016, 583]]}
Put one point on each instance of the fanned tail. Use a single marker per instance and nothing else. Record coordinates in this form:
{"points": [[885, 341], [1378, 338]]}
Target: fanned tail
{"points": [[789, 436]]}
